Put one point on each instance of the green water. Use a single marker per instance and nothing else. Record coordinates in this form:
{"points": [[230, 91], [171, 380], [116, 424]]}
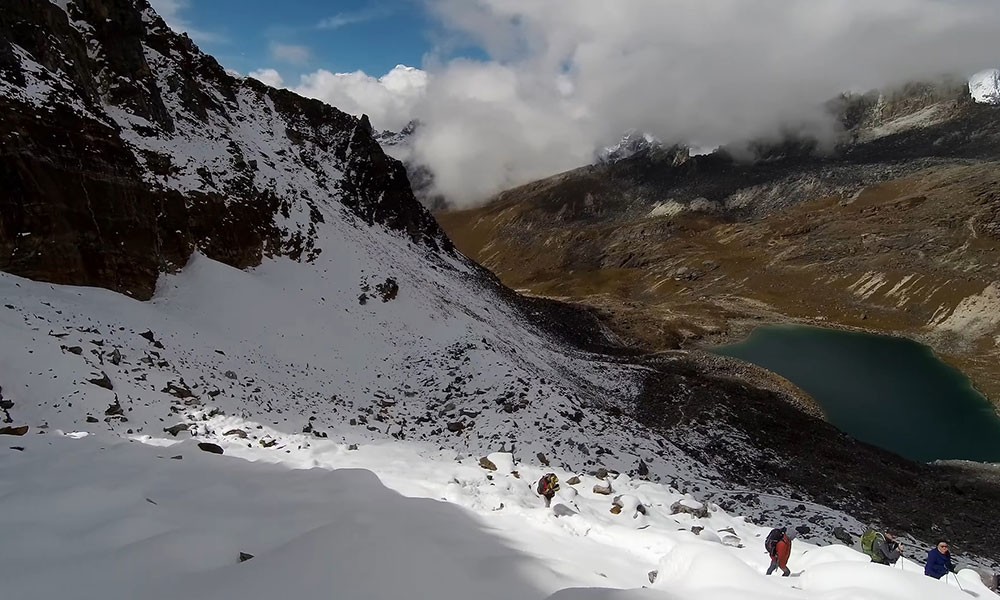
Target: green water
{"points": [[889, 392]]}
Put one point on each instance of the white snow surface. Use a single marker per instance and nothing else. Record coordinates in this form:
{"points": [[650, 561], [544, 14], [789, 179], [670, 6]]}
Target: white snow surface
{"points": [[985, 86], [100, 517]]}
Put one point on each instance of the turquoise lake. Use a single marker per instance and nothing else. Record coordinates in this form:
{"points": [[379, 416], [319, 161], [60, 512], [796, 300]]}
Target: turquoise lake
{"points": [[889, 392]]}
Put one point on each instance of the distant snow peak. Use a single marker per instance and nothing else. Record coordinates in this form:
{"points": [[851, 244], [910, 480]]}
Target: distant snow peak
{"points": [[985, 87], [632, 143]]}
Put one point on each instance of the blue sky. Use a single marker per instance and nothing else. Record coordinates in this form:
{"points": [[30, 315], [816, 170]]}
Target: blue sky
{"points": [[300, 36]]}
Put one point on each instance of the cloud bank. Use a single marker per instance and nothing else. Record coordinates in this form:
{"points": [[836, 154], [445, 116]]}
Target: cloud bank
{"points": [[565, 78]]}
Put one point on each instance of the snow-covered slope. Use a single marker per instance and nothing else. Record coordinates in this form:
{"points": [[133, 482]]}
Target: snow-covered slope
{"points": [[95, 518], [985, 87]]}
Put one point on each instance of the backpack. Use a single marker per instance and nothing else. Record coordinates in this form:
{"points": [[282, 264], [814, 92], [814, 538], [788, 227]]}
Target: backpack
{"points": [[868, 545], [545, 484], [771, 543]]}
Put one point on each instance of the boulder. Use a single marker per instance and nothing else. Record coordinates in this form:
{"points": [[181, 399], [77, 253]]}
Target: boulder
{"points": [[603, 488], [841, 534], [92, 419], [210, 447], [456, 427], [542, 459], [175, 429], [245, 556], [103, 381], [689, 507], [573, 480], [23, 429], [487, 464], [652, 576], [237, 432]]}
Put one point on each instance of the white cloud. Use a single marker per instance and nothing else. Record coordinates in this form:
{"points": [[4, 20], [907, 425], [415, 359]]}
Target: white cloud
{"points": [[389, 101], [346, 19], [565, 78], [290, 53], [268, 77], [170, 11]]}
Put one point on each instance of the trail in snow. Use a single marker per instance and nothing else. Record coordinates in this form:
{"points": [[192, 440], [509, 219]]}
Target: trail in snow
{"points": [[100, 517]]}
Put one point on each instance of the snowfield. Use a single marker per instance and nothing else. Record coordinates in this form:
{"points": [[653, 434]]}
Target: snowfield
{"points": [[94, 516]]}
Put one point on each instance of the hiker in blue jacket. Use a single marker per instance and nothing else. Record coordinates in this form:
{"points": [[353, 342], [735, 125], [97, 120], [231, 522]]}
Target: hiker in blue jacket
{"points": [[939, 561]]}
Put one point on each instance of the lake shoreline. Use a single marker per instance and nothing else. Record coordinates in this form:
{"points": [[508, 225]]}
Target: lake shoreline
{"points": [[891, 391]]}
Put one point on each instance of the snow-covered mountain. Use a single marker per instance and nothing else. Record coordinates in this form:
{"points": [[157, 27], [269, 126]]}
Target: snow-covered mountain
{"points": [[190, 257], [633, 142], [985, 87]]}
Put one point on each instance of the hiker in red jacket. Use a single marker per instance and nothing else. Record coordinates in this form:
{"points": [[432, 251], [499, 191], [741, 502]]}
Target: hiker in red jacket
{"points": [[548, 485], [782, 550]]}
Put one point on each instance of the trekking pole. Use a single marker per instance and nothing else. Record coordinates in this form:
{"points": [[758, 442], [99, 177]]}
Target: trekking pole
{"points": [[958, 581]]}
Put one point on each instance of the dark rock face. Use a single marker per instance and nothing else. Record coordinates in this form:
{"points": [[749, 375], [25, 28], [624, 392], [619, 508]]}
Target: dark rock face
{"points": [[94, 190]]}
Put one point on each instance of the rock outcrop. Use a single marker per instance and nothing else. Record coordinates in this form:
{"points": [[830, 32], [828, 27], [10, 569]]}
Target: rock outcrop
{"points": [[124, 149]]}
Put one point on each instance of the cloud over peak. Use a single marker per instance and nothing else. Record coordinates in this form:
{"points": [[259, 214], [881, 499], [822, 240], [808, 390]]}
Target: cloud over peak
{"points": [[567, 77]]}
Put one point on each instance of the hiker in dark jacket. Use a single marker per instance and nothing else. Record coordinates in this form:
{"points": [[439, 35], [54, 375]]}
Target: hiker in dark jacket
{"points": [[886, 548], [939, 561]]}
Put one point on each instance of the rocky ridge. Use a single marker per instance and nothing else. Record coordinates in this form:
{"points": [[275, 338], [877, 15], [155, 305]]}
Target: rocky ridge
{"points": [[114, 166]]}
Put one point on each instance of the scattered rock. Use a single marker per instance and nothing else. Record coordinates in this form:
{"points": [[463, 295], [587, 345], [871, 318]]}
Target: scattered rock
{"points": [[388, 289], [601, 473], [487, 464], [245, 556], [456, 427], [542, 459], [689, 507], [732, 540], [652, 576], [643, 469], [72, 349], [116, 357], [92, 419], [308, 428], [178, 390], [616, 510], [803, 529], [697, 529], [210, 447], [603, 488], [230, 375], [269, 442], [104, 381], [352, 447], [175, 429], [237, 432], [841, 534], [178, 457], [23, 429], [149, 336], [114, 409], [18, 448], [573, 480]]}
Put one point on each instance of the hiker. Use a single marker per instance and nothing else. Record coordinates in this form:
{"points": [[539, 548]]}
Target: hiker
{"points": [[939, 561], [881, 547], [779, 547], [548, 485]]}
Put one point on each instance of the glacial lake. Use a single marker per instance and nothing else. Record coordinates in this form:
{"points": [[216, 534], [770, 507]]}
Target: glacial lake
{"points": [[889, 392]]}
